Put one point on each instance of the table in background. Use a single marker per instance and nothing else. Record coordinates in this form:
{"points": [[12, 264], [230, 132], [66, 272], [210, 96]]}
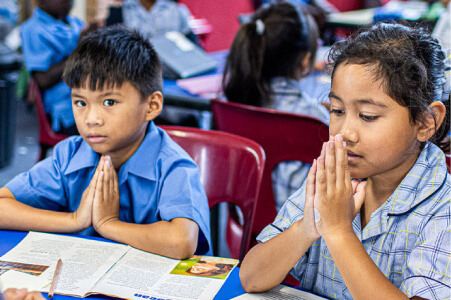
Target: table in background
{"points": [[9, 239]]}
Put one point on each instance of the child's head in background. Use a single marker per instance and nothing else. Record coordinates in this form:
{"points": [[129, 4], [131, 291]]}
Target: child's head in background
{"points": [[279, 41], [116, 81], [58, 9], [387, 85]]}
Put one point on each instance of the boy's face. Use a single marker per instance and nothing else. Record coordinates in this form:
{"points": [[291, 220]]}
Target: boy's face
{"points": [[381, 139], [113, 121], [58, 9]]}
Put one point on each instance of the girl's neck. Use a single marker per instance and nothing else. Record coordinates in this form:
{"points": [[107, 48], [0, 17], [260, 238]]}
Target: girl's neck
{"points": [[380, 187]]}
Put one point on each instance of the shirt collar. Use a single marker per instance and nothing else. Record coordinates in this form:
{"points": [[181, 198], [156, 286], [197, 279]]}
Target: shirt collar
{"points": [[142, 163], [427, 175]]}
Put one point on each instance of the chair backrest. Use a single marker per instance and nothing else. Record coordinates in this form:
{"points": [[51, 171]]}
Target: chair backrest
{"points": [[283, 136], [231, 169], [47, 137]]}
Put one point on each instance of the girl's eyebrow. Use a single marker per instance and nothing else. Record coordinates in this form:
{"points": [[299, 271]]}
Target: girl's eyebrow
{"points": [[360, 101]]}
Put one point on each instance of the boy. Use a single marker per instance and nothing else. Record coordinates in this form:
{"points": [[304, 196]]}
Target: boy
{"points": [[124, 177], [48, 38]]}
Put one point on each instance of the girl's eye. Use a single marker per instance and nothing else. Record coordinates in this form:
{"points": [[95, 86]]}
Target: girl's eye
{"points": [[109, 102], [337, 111], [368, 118], [80, 103]]}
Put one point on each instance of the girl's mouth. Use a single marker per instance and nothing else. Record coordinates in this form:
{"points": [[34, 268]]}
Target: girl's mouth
{"points": [[352, 157]]}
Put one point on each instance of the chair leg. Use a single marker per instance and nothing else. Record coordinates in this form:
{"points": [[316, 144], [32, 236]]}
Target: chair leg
{"points": [[43, 151]]}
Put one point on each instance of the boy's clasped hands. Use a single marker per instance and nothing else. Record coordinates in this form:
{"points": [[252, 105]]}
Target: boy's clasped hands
{"points": [[331, 193], [100, 201]]}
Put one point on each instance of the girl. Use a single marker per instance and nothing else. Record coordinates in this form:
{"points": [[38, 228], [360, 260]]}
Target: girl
{"points": [[386, 233], [268, 57]]}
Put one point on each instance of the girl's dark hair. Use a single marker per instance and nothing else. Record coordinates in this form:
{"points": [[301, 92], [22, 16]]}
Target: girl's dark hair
{"points": [[259, 54], [110, 56], [408, 60]]}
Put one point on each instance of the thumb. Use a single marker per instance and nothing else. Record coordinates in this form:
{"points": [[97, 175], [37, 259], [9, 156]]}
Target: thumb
{"points": [[359, 194]]}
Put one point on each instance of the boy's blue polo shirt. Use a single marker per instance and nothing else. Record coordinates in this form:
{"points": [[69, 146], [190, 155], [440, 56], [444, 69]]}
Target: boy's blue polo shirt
{"points": [[159, 182], [47, 41]]}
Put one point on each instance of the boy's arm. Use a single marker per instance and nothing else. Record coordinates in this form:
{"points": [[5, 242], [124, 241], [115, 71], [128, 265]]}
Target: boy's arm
{"points": [[176, 238], [15, 215], [267, 264], [47, 79]]}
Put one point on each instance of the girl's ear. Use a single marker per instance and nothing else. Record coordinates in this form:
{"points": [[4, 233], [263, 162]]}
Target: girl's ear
{"points": [[154, 105], [432, 121]]}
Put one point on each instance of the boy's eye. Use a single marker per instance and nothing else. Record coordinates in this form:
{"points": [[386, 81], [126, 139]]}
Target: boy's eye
{"points": [[80, 103], [109, 102], [368, 118], [337, 111]]}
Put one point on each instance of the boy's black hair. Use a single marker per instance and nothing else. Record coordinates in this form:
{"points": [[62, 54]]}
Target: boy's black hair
{"points": [[408, 60], [111, 56], [255, 57]]}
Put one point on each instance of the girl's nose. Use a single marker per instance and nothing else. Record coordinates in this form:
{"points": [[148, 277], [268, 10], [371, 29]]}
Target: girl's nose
{"points": [[349, 132]]}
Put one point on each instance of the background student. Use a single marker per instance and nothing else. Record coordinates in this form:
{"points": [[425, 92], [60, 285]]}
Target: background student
{"points": [[123, 177], [387, 231], [48, 38], [268, 58], [153, 17]]}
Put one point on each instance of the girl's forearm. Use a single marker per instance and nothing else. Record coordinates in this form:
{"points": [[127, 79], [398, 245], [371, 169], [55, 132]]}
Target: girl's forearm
{"points": [[360, 274], [267, 264]]}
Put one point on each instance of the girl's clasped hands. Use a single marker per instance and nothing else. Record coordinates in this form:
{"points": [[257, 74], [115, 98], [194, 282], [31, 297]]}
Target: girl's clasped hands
{"points": [[100, 201], [332, 199]]}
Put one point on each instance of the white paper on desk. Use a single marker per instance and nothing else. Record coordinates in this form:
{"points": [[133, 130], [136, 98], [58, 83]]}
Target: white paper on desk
{"points": [[16, 279], [141, 275], [280, 292], [208, 85], [84, 261]]}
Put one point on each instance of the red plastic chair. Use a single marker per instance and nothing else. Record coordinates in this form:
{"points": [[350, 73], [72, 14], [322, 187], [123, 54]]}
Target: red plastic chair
{"points": [[47, 137], [231, 169], [283, 136]]}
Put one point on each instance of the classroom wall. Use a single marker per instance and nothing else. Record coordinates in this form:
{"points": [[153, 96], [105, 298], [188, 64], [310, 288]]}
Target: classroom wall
{"points": [[222, 15]]}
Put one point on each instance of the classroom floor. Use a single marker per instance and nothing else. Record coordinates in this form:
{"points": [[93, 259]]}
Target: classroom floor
{"points": [[26, 148]]}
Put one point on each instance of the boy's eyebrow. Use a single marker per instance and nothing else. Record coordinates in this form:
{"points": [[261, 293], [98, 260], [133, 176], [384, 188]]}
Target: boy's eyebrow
{"points": [[101, 95], [360, 101]]}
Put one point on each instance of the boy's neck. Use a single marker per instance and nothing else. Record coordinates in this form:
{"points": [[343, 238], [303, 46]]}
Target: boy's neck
{"points": [[148, 4]]}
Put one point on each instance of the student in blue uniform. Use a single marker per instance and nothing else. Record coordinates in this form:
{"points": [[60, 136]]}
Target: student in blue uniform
{"points": [[123, 178], [48, 38], [385, 233]]}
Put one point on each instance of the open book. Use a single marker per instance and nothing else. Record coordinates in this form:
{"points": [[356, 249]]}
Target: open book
{"points": [[97, 267]]}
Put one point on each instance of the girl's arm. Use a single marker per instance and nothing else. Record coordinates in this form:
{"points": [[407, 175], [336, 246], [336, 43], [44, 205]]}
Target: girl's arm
{"points": [[338, 206], [267, 264]]}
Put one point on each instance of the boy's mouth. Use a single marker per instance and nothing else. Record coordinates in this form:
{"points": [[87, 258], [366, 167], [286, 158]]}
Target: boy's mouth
{"points": [[96, 138]]}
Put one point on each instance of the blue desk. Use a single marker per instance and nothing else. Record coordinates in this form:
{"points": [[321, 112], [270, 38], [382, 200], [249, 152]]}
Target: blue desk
{"points": [[231, 288]]}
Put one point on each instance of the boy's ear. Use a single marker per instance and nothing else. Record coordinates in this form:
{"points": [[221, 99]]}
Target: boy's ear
{"points": [[431, 121], [154, 105]]}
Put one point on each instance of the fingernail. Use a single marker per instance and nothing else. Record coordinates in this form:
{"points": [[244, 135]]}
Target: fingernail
{"points": [[344, 144], [338, 138], [101, 173], [331, 144]]}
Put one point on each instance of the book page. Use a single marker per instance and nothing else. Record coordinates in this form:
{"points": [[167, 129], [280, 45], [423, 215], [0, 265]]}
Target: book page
{"points": [[280, 292], [84, 261], [143, 275]]}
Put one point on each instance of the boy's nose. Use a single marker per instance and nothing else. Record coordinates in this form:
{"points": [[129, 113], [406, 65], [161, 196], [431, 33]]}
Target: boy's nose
{"points": [[93, 118]]}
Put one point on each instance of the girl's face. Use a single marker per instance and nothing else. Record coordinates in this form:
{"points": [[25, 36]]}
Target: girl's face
{"points": [[380, 137]]}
